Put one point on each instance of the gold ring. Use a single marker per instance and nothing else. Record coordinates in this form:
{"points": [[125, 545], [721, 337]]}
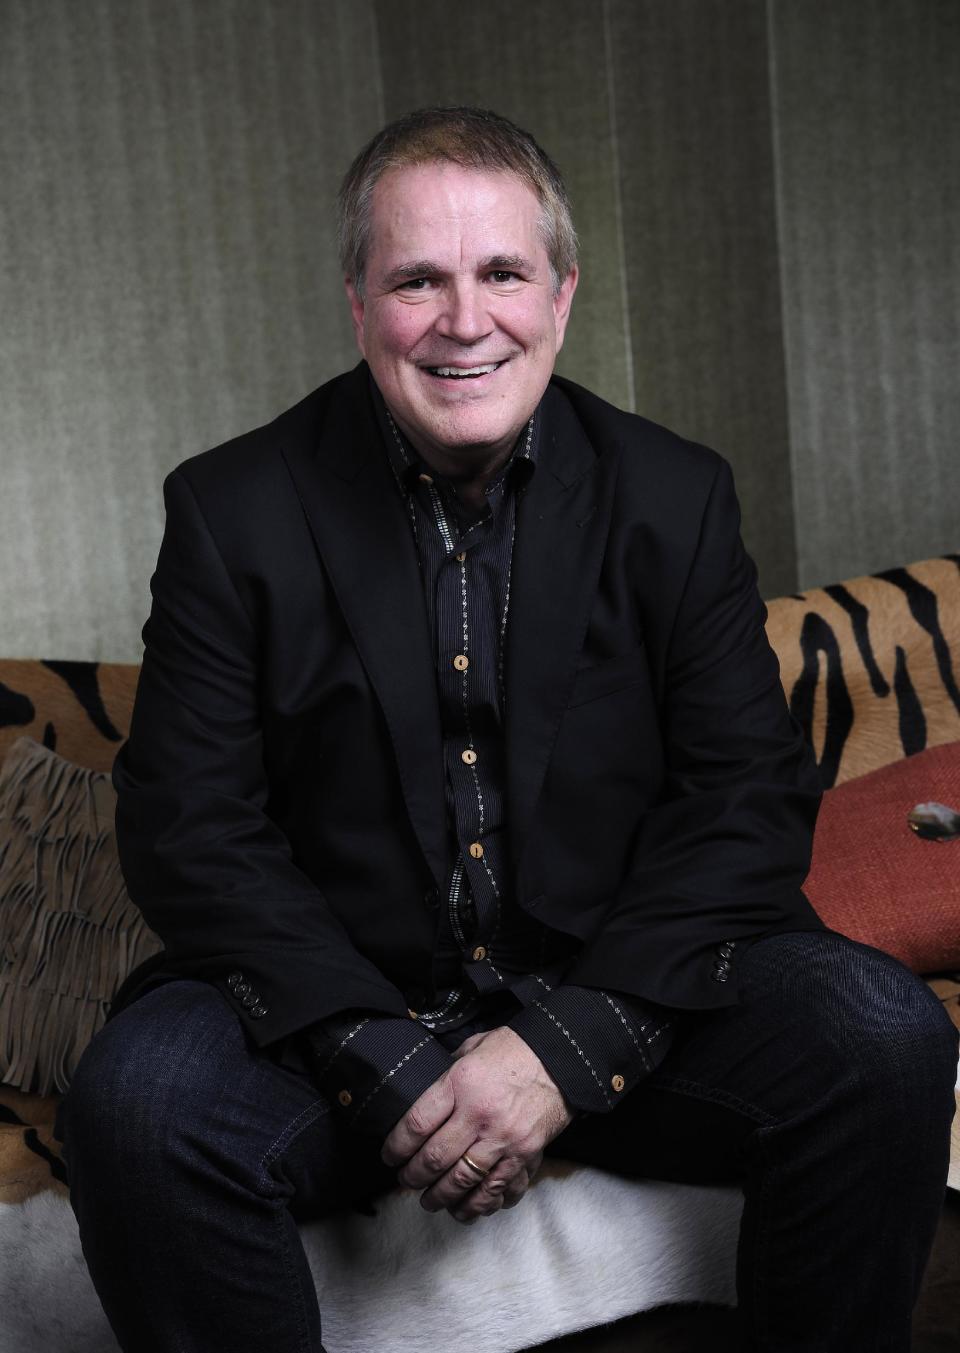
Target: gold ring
{"points": [[474, 1166]]}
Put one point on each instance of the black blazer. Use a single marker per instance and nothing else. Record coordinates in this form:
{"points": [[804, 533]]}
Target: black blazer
{"points": [[281, 798]]}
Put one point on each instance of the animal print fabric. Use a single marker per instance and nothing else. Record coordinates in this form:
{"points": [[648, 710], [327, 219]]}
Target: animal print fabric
{"points": [[871, 667], [79, 709]]}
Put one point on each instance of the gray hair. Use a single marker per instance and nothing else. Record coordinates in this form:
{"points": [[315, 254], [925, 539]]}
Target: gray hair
{"points": [[474, 138]]}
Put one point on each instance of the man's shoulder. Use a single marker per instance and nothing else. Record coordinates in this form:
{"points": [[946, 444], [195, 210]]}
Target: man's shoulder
{"points": [[254, 459], [645, 448]]}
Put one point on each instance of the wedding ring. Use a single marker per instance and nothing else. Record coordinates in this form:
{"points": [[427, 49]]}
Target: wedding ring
{"points": [[478, 1169]]}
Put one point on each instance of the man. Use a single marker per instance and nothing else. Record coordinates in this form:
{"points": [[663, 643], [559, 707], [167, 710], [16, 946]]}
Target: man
{"points": [[462, 792]]}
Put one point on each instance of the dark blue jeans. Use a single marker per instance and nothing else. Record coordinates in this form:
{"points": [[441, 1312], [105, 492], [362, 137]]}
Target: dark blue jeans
{"points": [[827, 1093]]}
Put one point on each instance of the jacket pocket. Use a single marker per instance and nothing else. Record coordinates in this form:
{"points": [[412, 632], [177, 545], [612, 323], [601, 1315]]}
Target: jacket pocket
{"points": [[608, 677]]}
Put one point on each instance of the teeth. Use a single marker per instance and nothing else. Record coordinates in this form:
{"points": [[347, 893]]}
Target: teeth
{"points": [[460, 371]]}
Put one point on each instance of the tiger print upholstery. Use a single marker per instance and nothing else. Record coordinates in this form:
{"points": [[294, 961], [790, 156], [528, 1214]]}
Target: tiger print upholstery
{"points": [[870, 667]]}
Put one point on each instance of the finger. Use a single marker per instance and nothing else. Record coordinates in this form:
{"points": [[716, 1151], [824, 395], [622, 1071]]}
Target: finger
{"points": [[487, 1198], [459, 1178], [442, 1152], [469, 1215], [419, 1123], [457, 1190], [516, 1190]]}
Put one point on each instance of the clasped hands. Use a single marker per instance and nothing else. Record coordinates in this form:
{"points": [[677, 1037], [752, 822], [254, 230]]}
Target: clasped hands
{"points": [[500, 1106]]}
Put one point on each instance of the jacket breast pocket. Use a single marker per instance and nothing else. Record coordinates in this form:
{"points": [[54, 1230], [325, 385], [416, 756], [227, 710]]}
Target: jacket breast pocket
{"points": [[608, 677]]}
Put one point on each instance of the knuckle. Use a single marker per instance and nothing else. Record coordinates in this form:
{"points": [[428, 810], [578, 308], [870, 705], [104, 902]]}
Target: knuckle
{"points": [[416, 1121], [432, 1159]]}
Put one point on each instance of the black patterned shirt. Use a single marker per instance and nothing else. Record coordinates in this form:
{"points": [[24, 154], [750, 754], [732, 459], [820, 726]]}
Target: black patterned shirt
{"points": [[493, 963]]}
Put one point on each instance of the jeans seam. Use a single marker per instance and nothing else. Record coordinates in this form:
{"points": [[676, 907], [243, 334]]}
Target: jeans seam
{"points": [[695, 1090], [304, 1119], [293, 1282]]}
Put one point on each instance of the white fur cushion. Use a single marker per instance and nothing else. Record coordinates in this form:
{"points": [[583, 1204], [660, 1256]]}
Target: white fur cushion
{"points": [[583, 1248]]}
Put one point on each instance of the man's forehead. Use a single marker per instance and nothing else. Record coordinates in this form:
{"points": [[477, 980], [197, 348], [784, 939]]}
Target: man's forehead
{"points": [[404, 189], [428, 202]]}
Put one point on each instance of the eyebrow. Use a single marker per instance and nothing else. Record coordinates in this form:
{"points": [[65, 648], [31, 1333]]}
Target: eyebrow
{"points": [[425, 267]]}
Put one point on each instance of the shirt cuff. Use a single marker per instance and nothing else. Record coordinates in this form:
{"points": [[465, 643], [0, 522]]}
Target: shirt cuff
{"points": [[373, 1067], [597, 1045]]}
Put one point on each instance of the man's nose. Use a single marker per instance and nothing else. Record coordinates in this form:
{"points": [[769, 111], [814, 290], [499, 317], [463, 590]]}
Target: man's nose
{"points": [[464, 315]]}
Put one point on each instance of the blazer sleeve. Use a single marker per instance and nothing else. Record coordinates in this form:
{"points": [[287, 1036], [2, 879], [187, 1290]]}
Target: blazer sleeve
{"points": [[722, 855], [204, 862]]}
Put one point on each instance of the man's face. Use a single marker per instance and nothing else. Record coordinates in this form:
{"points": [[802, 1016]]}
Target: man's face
{"points": [[459, 322]]}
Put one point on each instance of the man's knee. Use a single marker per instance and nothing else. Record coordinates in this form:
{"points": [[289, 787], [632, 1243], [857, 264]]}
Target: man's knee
{"points": [[141, 1076], [881, 1019]]}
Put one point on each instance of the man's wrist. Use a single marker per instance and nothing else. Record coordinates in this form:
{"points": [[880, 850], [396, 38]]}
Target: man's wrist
{"points": [[373, 1067], [596, 1045]]}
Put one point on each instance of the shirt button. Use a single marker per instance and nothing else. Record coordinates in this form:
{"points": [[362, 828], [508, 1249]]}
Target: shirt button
{"points": [[476, 850], [461, 556], [425, 478], [479, 953], [461, 662], [345, 1098], [468, 757], [618, 1083], [413, 1014]]}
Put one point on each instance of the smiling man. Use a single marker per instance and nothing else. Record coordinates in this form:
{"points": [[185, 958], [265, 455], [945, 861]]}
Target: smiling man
{"points": [[460, 312], [463, 794]]}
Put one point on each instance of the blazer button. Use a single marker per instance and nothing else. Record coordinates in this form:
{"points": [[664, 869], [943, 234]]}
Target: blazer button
{"points": [[432, 897], [234, 980], [720, 976], [251, 999], [725, 949], [259, 1011]]}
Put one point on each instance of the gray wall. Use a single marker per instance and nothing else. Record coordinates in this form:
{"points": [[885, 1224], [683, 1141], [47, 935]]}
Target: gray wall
{"points": [[766, 195]]}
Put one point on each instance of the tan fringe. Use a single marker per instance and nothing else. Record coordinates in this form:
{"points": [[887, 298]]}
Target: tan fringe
{"points": [[69, 933]]}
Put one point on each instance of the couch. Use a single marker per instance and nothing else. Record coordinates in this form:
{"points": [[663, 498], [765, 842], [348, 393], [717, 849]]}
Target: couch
{"points": [[871, 670]]}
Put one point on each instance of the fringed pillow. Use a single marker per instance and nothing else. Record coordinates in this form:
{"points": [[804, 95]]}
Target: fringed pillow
{"points": [[69, 933]]}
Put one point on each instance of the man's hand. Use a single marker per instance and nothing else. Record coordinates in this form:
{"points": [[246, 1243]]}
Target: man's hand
{"points": [[497, 1103]]}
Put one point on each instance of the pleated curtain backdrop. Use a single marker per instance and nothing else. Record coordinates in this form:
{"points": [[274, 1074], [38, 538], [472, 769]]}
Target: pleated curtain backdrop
{"points": [[766, 193]]}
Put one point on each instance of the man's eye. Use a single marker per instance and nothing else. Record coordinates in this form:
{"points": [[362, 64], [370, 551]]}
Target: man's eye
{"points": [[414, 284], [502, 276]]}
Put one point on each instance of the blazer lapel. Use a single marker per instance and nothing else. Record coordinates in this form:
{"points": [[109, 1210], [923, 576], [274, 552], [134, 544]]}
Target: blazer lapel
{"points": [[362, 532], [562, 527]]}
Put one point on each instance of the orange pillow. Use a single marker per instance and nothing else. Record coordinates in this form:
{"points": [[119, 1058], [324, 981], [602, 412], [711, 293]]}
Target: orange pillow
{"points": [[874, 879]]}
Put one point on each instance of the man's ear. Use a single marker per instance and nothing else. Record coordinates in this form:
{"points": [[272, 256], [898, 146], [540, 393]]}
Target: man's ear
{"points": [[356, 312], [562, 303]]}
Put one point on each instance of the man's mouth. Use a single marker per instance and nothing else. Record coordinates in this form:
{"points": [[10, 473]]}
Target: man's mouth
{"points": [[463, 373]]}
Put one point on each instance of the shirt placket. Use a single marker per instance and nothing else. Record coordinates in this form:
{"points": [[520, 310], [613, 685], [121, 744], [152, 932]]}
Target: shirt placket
{"points": [[464, 622]]}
